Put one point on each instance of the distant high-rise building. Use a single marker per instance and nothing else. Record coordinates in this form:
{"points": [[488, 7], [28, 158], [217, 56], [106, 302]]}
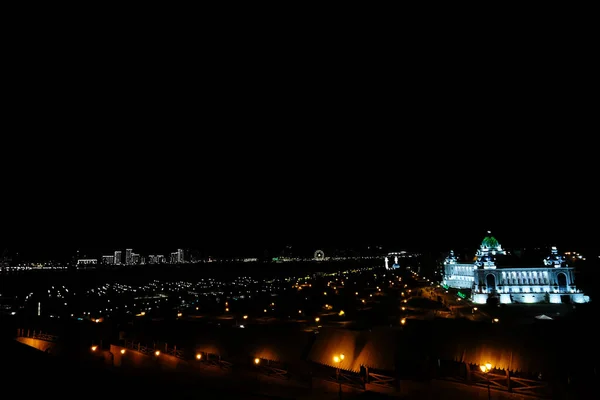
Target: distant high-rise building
{"points": [[135, 258], [160, 259], [173, 258], [117, 260], [108, 260], [128, 256], [180, 258]]}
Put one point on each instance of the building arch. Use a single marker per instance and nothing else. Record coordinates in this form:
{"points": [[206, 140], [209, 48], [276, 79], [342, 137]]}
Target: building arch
{"points": [[490, 282], [562, 280]]}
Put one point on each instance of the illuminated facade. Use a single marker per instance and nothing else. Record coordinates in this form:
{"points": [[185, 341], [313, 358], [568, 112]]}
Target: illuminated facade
{"points": [[553, 281], [117, 258]]}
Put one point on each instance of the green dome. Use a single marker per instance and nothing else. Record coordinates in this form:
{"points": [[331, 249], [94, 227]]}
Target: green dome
{"points": [[490, 242]]}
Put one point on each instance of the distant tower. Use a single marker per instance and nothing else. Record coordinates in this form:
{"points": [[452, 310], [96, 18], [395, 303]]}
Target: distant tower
{"points": [[128, 256], [554, 258], [118, 257], [180, 256], [487, 252]]}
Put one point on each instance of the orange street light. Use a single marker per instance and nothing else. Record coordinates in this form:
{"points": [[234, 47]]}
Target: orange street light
{"points": [[317, 319], [245, 317], [257, 361], [198, 356], [486, 368], [337, 360], [122, 351], [157, 353], [94, 348]]}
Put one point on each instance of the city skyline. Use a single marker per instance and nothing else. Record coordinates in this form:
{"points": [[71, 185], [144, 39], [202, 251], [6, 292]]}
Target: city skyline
{"points": [[461, 244]]}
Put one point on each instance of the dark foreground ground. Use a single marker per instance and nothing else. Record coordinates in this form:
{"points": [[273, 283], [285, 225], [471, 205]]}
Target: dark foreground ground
{"points": [[29, 373]]}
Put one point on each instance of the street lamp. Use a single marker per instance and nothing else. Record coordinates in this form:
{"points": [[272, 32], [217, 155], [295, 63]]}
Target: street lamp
{"points": [[486, 368], [337, 359]]}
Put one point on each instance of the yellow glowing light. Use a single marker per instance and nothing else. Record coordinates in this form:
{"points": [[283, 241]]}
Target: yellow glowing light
{"points": [[317, 319], [336, 359], [482, 368], [179, 314], [341, 313], [157, 353], [94, 348], [403, 321], [122, 351], [488, 366], [198, 356], [265, 310], [342, 356], [227, 309], [245, 317], [256, 361]]}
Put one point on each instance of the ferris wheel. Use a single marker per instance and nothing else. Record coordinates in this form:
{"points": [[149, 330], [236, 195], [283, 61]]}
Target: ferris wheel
{"points": [[319, 255]]}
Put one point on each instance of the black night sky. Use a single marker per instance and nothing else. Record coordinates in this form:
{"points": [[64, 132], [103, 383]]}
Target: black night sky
{"points": [[239, 160], [237, 198]]}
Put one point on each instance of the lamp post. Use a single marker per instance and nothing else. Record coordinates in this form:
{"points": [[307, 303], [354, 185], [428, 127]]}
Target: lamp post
{"points": [[337, 359], [486, 368]]}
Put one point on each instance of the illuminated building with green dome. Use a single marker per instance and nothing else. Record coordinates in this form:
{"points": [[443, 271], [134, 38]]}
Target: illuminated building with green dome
{"points": [[552, 281]]}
